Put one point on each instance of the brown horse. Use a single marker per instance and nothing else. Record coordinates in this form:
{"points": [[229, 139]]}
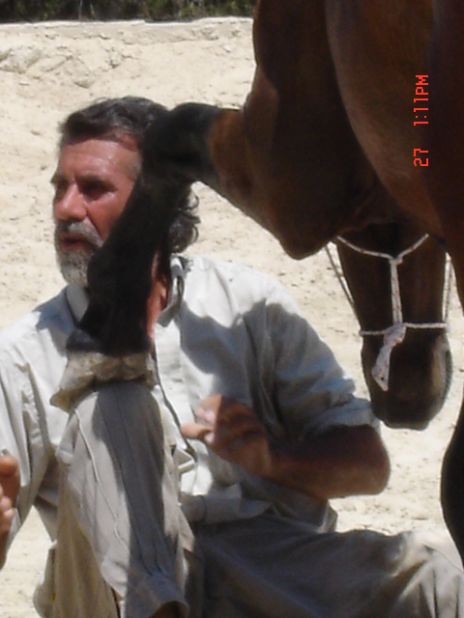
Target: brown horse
{"points": [[337, 116]]}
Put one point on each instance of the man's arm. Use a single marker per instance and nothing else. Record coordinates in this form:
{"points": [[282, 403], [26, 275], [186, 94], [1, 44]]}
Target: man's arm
{"points": [[342, 461], [9, 487]]}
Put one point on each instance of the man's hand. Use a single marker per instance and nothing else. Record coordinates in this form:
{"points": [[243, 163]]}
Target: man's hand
{"points": [[233, 431], [9, 488], [343, 461]]}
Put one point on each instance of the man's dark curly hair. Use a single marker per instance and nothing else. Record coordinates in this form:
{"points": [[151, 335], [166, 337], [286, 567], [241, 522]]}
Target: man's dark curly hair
{"points": [[118, 117]]}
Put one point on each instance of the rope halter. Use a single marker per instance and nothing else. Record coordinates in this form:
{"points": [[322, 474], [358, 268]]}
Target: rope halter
{"points": [[393, 335]]}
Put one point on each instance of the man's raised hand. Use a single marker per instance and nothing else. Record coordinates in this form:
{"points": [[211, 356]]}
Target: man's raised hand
{"points": [[233, 431], [9, 487]]}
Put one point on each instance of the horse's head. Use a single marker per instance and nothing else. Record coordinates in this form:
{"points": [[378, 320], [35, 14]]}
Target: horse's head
{"points": [[405, 355], [418, 381]]}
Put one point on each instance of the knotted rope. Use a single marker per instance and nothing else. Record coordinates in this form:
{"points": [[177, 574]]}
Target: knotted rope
{"points": [[392, 335]]}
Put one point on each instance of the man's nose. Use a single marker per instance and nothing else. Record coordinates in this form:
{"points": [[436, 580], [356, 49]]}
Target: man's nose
{"points": [[70, 205]]}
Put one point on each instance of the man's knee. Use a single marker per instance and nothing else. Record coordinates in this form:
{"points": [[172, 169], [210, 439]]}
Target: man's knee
{"points": [[428, 580]]}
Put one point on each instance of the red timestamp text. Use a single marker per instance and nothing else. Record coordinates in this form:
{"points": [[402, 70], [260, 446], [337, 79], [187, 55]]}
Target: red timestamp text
{"points": [[421, 101], [421, 156]]}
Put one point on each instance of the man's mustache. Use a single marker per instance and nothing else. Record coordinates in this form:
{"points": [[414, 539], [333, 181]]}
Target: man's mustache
{"points": [[79, 228]]}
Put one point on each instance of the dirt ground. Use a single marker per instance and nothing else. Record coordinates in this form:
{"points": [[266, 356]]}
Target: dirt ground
{"points": [[48, 70]]}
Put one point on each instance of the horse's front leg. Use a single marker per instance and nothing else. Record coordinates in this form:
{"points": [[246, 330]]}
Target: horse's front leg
{"points": [[452, 485], [174, 154], [111, 341]]}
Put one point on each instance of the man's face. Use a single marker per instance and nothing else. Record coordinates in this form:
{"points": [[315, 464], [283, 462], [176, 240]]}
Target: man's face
{"points": [[92, 182]]}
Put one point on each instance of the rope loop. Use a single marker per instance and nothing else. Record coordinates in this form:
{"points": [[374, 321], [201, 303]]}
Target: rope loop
{"points": [[394, 334]]}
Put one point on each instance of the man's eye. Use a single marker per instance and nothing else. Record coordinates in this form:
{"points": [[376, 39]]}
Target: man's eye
{"points": [[60, 190], [94, 189]]}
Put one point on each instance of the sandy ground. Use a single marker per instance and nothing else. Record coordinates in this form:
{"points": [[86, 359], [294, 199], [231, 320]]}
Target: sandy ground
{"points": [[47, 71]]}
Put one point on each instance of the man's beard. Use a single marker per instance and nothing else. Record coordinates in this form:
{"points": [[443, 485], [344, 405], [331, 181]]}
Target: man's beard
{"points": [[73, 264]]}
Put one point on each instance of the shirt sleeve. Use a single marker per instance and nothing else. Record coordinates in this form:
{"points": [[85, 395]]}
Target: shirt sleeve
{"points": [[20, 433], [311, 391]]}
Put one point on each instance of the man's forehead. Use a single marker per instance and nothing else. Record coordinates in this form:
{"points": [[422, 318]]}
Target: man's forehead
{"points": [[107, 152], [117, 136]]}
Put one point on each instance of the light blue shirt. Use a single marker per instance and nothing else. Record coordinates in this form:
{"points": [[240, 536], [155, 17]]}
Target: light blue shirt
{"points": [[226, 329]]}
